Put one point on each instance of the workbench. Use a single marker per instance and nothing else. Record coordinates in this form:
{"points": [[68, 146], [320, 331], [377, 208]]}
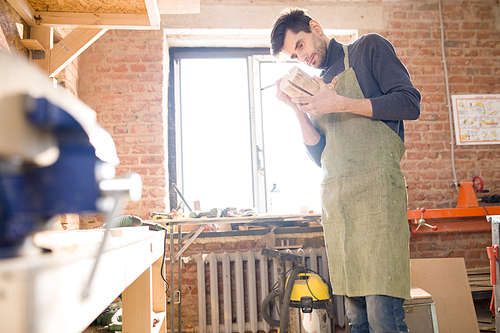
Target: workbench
{"points": [[46, 292]]}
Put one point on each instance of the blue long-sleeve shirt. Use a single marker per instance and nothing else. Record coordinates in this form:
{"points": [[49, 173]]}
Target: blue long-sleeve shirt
{"points": [[383, 79]]}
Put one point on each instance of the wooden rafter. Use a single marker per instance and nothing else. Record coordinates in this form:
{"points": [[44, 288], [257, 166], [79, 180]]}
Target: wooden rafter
{"points": [[91, 20], [153, 13], [88, 27], [24, 9], [71, 46], [148, 20], [44, 36]]}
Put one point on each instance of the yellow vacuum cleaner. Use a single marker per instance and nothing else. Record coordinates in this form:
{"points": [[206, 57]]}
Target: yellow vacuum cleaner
{"points": [[305, 304]]}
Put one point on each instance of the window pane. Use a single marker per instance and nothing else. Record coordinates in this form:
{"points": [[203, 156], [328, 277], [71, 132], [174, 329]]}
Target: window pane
{"points": [[216, 153], [287, 163]]}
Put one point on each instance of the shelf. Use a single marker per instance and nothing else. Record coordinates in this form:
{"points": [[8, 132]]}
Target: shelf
{"points": [[32, 44]]}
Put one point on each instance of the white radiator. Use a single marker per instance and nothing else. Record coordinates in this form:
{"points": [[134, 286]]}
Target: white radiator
{"points": [[231, 287]]}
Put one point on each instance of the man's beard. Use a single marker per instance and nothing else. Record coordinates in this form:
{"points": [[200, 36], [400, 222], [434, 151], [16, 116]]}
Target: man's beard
{"points": [[320, 48]]}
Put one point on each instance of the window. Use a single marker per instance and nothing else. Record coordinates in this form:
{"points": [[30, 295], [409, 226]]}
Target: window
{"points": [[234, 142]]}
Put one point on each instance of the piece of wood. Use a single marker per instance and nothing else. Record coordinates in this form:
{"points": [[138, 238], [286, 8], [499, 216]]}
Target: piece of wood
{"points": [[91, 6], [44, 36], [158, 286], [137, 305], [298, 83], [95, 20], [32, 44], [419, 293], [24, 9], [446, 280], [153, 13], [71, 47], [479, 279]]}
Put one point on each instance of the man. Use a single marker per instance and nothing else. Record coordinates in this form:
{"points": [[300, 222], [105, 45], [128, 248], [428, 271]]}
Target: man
{"points": [[356, 134]]}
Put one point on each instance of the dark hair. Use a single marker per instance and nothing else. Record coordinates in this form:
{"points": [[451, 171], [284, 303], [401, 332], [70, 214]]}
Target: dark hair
{"points": [[294, 19]]}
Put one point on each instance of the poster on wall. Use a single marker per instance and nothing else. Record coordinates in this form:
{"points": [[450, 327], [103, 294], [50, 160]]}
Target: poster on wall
{"points": [[477, 119]]}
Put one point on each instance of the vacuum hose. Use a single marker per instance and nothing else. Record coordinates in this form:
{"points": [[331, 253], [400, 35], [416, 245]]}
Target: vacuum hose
{"points": [[288, 294], [265, 309], [283, 322]]}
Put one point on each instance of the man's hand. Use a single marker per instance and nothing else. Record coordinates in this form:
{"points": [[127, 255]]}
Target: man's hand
{"points": [[283, 97], [287, 100], [328, 101], [325, 101], [309, 133]]}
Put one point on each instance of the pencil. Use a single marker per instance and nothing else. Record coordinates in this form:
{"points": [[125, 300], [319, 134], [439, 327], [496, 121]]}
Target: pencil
{"points": [[272, 85]]}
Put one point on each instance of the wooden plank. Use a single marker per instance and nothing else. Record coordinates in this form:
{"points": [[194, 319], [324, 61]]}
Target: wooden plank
{"points": [[446, 280], [95, 20], [24, 9], [478, 270], [44, 35], [159, 303], [91, 6], [71, 47], [13, 309], [137, 305], [153, 13], [32, 44], [419, 293]]}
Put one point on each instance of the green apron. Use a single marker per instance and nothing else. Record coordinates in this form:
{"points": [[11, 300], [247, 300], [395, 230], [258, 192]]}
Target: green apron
{"points": [[364, 201]]}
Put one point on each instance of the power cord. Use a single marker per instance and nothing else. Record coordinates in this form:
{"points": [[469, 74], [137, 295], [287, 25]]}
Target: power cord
{"points": [[163, 261]]}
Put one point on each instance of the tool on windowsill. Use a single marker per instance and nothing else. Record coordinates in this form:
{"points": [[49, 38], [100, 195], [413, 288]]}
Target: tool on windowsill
{"points": [[182, 197], [134, 221]]}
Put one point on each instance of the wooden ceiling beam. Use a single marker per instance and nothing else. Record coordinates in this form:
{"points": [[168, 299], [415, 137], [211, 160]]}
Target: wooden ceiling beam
{"points": [[71, 47], [150, 20], [44, 37], [24, 9], [153, 13], [95, 20]]}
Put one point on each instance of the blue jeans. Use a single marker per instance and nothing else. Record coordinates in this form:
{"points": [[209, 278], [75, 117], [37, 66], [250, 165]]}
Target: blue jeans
{"points": [[376, 314]]}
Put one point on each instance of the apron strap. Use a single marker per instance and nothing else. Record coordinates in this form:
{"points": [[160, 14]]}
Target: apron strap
{"points": [[346, 56]]}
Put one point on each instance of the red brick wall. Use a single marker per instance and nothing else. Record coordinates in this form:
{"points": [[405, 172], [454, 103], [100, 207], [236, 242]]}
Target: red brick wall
{"points": [[472, 48], [121, 78], [10, 41], [473, 53]]}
